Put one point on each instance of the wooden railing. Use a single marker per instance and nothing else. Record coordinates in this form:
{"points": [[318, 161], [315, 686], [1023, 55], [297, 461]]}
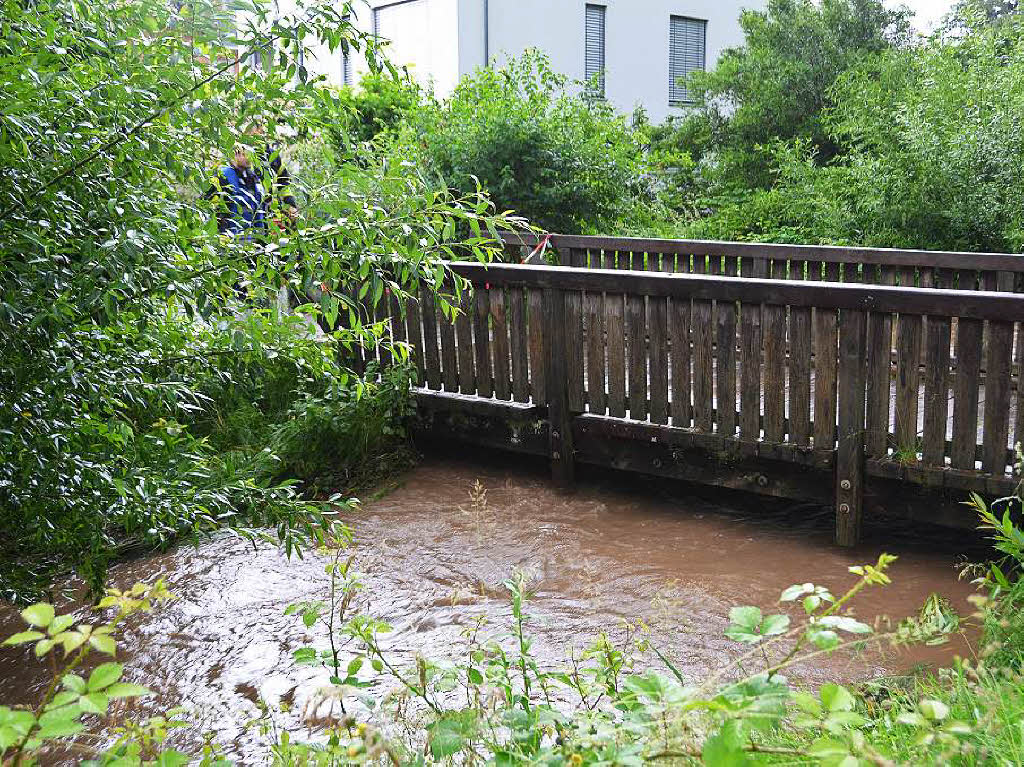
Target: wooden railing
{"points": [[794, 372], [874, 266]]}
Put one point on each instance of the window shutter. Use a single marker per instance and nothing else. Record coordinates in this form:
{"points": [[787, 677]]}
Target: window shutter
{"points": [[593, 70], [346, 58], [686, 49]]}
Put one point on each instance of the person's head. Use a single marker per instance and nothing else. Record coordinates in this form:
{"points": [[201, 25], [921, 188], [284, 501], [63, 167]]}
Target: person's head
{"points": [[241, 160]]}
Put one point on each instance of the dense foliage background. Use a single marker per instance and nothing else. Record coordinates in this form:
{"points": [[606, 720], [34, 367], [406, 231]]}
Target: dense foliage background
{"points": [[149, 386]]}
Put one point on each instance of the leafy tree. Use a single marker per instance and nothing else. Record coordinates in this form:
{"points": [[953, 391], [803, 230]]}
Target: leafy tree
{"points": [[130, 332], [777, 85], [934, 160]]}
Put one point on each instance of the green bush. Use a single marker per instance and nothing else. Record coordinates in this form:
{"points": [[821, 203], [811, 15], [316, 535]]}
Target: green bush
{"points": [[567, 163], [778, 84], [934, 155], [381, 104]]}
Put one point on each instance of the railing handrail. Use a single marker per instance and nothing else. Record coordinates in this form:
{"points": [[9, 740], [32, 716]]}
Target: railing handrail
{"points": [[1004, 262], [982, 305]]}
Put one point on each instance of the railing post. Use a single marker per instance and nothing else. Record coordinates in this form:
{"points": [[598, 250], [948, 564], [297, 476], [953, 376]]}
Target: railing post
{"points": [[849, 460], [557, 377]]}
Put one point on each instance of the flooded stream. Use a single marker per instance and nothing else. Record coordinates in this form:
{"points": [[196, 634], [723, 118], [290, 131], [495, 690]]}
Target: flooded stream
{"points": [[434, 559]]}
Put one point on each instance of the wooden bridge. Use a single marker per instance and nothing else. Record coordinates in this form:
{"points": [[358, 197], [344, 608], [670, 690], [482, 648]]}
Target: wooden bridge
{"points": [[876, 381]]}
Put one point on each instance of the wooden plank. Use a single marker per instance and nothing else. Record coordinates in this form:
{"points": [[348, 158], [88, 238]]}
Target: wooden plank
{"points": [[482, 340], [966, 382], [936, 391], [616, 342], [636, 327], [997, 397], [679, 334], [759, 266], [951, 303], [415, 327], [559, 415], [538, 357], [800, 376], [428, 309], [725, 364], [450, 358], [850, 447], [500, 345], [908, 382], [464, 341], [774, 373], [1010, 262], [750, 374], [879, 397], [596, 396], [703, 373], [575, 341], [519, 336], [574, 350], [657, 309], [825, 352]]}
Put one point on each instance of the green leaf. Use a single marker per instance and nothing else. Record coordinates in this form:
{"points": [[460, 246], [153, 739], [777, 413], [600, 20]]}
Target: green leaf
{"points": [[825, 639], [836, 698], [94, 703], [446, 738], [74, 683], [126, 690], [843, 623], [745, 617], [912, 718], [725, 748], [807, 703], [23, 636], [744, 625], [104, 644], [38, 615], [59, 728], [104, 675], [935, 710], [796, 591], [774, 625], [172, 758], [60, 623]]}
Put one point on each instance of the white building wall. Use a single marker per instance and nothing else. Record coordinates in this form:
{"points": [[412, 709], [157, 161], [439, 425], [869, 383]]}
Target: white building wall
{"points": [[443, 40], [636, 41]]}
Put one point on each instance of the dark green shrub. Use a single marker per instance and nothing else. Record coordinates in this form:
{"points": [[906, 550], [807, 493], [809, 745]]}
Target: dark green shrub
{"points": [[567, 163]]}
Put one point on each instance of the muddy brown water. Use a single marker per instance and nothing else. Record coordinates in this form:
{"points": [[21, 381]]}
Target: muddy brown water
{"points": [[432, 561]]}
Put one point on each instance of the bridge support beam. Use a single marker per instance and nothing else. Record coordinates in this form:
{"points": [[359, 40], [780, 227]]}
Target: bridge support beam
{"points": [[849, 463]]}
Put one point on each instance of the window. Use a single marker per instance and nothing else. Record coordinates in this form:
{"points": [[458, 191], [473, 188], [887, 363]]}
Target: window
{"points": [[346, 55], [593, 70], [685, 54]]}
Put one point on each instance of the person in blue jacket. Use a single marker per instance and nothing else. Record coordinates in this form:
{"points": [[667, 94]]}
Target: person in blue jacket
{"points": [[246, 192]]}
